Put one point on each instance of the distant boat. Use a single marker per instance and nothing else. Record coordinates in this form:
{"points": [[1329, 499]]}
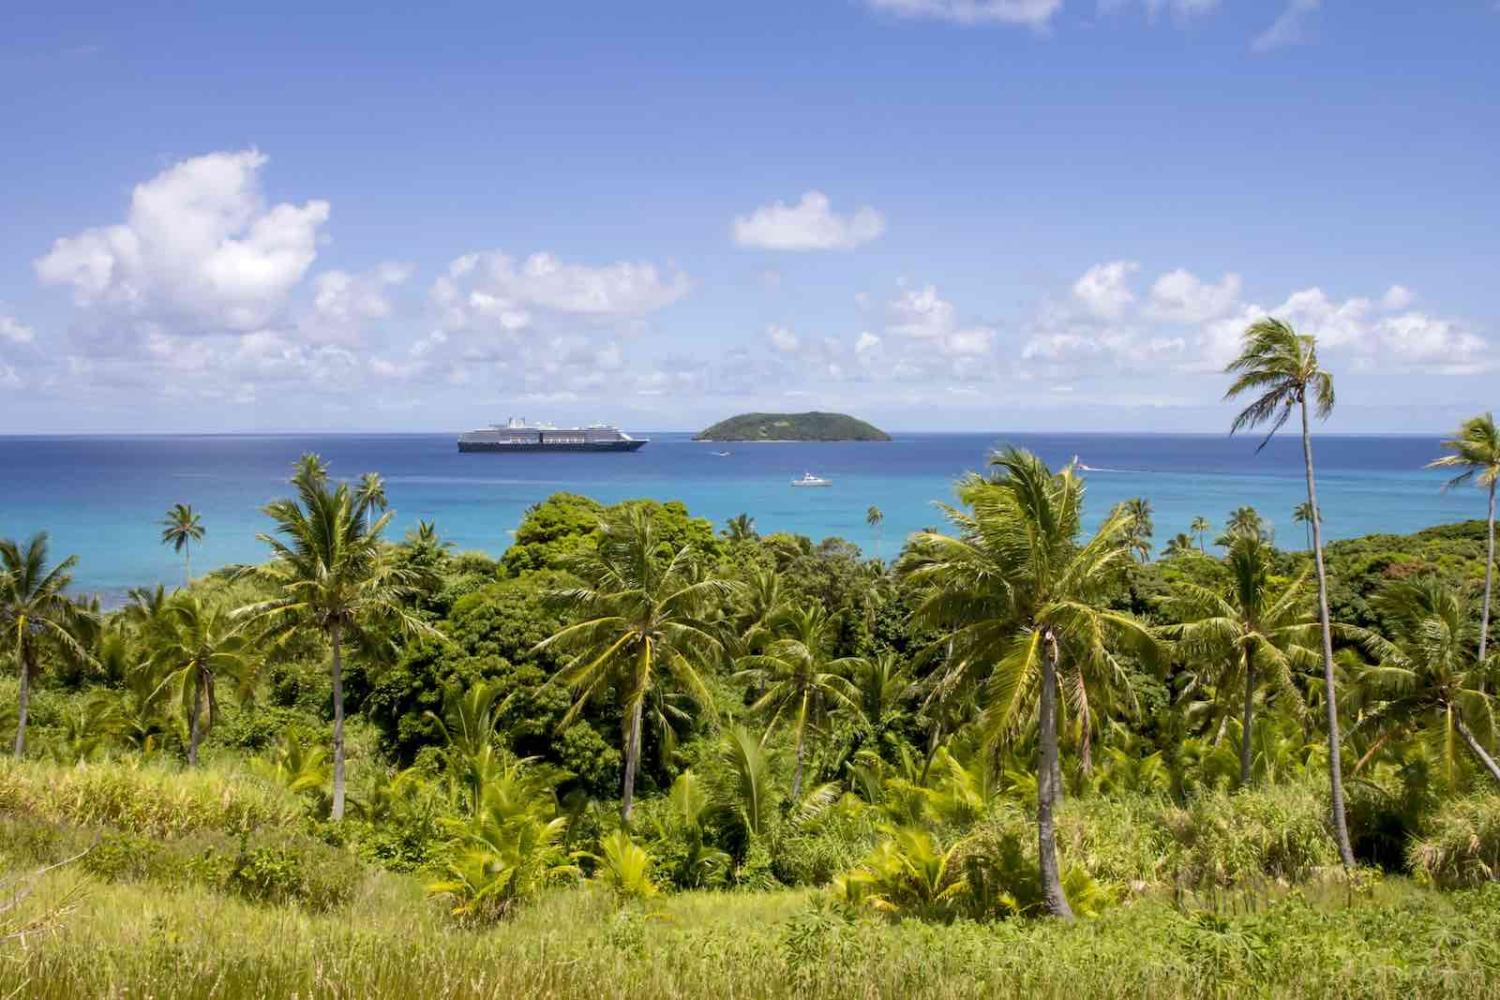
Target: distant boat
{"points": [[721, 454], [808, 479]]}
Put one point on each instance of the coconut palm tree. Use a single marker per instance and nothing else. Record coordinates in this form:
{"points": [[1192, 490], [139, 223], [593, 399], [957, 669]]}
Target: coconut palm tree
{"points": [[1427, 674], [369, 495], [1180, 544], [200, 645], [35, 612], [1302, 514], [1250, 632], [799, 681], [1138, 526], [1476, 450], [1199, 530], [740, 528], [181, 528], [638, 625], [1016, 590], [875, 517], [1279, 369], [334, 578], [1243, 520]]}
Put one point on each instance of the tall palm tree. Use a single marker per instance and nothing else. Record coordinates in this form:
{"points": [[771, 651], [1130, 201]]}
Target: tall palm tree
{"points": [[369, 495], [1199, 530], [1302, 514], [1243, 520], [200, 645], [740, 528], [333, 578], [1138, 525], [1251, 631], [1476, 450], [1279, 368], [1430, 680], [1015, 589], [181, 528], [34, 612], [799, 681], [639, 625], [875, 517]]}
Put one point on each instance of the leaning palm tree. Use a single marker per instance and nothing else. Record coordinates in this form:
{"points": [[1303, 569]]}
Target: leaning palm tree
{"points": [[333, 577], [1302, 514], [1427, 675], [1249, 632], [1279, 368], [1199, 530], [875, 517], [800, 683], [200, 645], [1016, 590], [639, 624], [35, 612], [1476, 450], [369, 495], [181, 528]]}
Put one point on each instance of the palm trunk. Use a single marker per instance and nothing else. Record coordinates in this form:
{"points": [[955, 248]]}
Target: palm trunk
{"points": [[195, 732], [23, 701], [187, 565], [1477, 749], [1047, 787], [934, 741], [632, 759], [1335, 764], [335, 637], [797, 771], [1248, 721], [1489, 573]]}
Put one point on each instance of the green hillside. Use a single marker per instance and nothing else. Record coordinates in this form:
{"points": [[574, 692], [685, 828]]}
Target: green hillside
{"points": [[813, 426]]}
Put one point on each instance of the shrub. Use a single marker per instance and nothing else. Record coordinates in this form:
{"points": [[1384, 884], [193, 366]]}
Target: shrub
{"points": [[1279, 832], [1461, 846]]}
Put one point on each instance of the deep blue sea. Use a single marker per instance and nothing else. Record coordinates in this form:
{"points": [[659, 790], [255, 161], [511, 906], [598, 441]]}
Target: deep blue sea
{"points": [[102, 497]]}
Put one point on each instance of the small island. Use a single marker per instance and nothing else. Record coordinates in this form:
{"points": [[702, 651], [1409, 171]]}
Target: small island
{"points": [[813, 426]]}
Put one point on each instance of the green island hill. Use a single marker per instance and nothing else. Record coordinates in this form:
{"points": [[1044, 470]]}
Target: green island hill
{"points": [[811, 426]]}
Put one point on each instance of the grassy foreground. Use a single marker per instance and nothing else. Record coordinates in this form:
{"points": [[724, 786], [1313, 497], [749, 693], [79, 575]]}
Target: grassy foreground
{"points": [[134, 939]]}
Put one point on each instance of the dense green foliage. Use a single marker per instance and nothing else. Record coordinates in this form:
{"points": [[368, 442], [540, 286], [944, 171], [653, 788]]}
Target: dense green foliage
{"points": [[811, 426]]}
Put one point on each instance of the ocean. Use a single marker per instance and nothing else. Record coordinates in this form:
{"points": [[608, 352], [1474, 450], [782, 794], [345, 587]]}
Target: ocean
{"points": [[102, 498]]}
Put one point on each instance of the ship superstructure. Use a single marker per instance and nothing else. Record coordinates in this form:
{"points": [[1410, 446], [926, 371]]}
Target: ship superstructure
{"points": [[519, 436]]}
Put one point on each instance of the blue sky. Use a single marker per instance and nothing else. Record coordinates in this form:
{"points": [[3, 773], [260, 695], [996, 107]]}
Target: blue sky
{"points": [[996, 214]]}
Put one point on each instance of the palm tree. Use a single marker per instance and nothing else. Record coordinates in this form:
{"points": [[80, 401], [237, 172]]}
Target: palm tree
{"points": [[335, 579], [310, 470], [874, 517], [200, 645], [740, 528], [1476, 450], [1138, 526], [1243, 520], [1280, 368], [35, 611], [799, 681], [1428, 674], [1302, 514], [1180, 544], [181, 528], [1015, 589], [369, 495], [1252, 630], [1200, 529], [639, 616]]}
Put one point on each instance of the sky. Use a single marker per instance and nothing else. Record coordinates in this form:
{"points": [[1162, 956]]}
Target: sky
{"points": [[934, 214]]}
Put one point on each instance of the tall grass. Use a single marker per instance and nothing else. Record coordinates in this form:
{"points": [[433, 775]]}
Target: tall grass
{"points": [[1461, 844]]}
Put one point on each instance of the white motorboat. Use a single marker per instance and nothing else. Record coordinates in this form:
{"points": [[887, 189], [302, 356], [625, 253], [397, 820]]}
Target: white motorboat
{"points": [[808, 479]]}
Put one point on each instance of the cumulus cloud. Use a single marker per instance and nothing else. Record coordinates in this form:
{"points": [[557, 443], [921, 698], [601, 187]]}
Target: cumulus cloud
{"points": [[14, 331], [811, 224], [199, 243], [1181, 296], [783, 340], [930, 326], [1034, 13], [1104, 289], [1289, 28], [344, 303]]}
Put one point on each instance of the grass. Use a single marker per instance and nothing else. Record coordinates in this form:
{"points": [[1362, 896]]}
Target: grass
{"points": [[1394, 939]]}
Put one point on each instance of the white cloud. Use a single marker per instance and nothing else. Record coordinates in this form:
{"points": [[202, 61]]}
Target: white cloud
{"points": [[1155, 8], [931, 324], [1181, 296], [1289, 28], [811, 224], [867, 342], [1397, 297], [496, 288], [343, 303], [1104, 289], [198, 245], [1035, 13], [783, 339], [14, 331]]}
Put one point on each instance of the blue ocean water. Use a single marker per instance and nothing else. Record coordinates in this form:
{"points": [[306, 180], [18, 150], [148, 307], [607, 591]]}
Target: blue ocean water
{"points": [[102, 497]]}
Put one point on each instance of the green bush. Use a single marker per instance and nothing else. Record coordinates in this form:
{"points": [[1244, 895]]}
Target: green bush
{"points": [[1279, 833], [1461, 845]]}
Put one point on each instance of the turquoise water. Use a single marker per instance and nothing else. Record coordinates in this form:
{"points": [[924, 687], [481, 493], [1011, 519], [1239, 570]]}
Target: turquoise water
{"points": [[101, 497]]}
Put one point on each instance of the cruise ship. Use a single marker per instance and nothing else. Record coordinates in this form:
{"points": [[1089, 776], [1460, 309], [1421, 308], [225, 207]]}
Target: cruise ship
{"points": [[517, 435]]}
